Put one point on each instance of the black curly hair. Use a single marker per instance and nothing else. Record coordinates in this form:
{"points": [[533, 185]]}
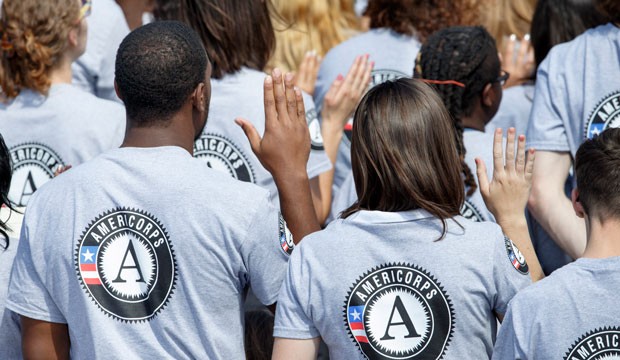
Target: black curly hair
{"points": [[467, 56], [157, 67], [6, 172]]}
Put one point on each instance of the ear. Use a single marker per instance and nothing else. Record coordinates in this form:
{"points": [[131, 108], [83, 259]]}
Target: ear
{"points": [[73, 36], [488, 96], [577, 204], [118, 93], [198, 98]]}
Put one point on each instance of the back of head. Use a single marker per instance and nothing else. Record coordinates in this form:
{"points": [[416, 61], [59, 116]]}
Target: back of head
{"points": [[34, 37], [157, 68], [235, 33], [420, 17], [597, 167], [403, 152], [464, 60], [559, 21], [611, 9]]}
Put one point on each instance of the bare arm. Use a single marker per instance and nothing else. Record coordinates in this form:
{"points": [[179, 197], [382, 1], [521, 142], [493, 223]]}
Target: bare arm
{"points": [[286, 349], [506, 195], [44, 340], [284, 150], [550, 206]]}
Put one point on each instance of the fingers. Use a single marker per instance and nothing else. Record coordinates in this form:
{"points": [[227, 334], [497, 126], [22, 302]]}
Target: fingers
{"points": [[529, 167], [521, 155], [359, 73], [483, 179], [271, 114], [498, 153], [301, 108], [510, 150], [251, 134], [291, 103], [334, 89], [278, 94]]}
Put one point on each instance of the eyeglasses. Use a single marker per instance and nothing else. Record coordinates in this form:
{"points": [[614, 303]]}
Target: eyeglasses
{"points": [[86, 8], [505, 75]]}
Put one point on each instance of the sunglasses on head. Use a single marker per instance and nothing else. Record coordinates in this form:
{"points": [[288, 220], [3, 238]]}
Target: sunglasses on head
{"points": [[86, 8]]}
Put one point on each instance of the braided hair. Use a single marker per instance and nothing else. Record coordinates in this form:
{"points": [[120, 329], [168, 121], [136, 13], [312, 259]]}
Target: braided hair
{"points": [[465, 60]]}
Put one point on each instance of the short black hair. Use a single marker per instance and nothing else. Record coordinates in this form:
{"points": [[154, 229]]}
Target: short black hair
{"points": [[597, 166], [465, 54], [157, 67]]}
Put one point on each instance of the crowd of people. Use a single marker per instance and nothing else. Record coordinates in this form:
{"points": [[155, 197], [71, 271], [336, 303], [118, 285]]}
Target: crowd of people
{"points": [[302, 179]]}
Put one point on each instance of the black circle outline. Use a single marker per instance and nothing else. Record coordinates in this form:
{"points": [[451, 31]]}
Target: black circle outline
{"points": [[229, 142]]}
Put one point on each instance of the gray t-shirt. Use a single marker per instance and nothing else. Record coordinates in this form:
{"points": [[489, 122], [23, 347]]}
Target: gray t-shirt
{"points": [[137, 274], [394, 56], [94, 70], [223, 145], [574, 314], [381, 285], [577, 91], [514, 110], [67, 127]]}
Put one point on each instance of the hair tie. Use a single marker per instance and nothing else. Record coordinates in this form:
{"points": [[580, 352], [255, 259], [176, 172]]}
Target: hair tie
{"points": [[444, 82]]}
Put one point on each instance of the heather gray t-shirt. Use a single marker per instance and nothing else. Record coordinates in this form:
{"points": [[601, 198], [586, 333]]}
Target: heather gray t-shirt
{"points": [[224, 147], [380, 285], [137, 274], [394, 56], [574, 314], [94, 70], [68, 127], [577, 91], [514, 110]]}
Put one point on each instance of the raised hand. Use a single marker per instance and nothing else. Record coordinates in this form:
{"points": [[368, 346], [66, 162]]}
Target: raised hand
{"points": [[308, 70], [520, 65]]}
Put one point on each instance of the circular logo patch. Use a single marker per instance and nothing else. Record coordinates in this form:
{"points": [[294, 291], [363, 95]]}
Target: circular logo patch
{"points": [[222, 155], [516, 258], [470, 212], [125, 262], [286, 238], [33, 165], [316, 139], [599, 344], [377, 77], [399, 311], [605, 115]]}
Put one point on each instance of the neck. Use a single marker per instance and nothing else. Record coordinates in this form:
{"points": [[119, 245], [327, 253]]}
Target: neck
{"points": [[61, 73], [173, 132], [603, 238], [473, 122]]}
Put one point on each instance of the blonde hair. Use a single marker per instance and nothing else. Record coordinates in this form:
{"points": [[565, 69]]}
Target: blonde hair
{"points": [[34, 37], [503, 18], [306, 25]]}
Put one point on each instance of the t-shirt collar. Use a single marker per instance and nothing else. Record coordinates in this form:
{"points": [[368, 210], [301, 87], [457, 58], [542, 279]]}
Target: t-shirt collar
{"points": [[385, 217]]}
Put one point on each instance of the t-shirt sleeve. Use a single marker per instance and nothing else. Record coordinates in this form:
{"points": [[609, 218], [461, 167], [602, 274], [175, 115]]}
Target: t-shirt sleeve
{"points": [[318, 162], [508, 345], [266, 251], [510, 272], [28, 293], [546, 130], [293, 311]]}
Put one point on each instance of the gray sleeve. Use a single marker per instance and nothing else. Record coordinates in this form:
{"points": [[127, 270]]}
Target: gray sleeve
{"points": [[105, 83], [265, 252], [510, 272], [546, 130], [508, 346], [318, 162], [28, 293], [292, 319]]}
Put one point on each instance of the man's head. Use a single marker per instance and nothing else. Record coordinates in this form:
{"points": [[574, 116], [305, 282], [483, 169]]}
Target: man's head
{"points": [[160, 67], [597, 167]]}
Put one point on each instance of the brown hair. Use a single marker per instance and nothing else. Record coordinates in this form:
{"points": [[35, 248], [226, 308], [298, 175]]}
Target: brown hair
{"points": [[420, 17], [503, 18], [597, 166], [309, 25], [258, 335], [36, 32], [235, 33], [403, 152], [611, 9]]}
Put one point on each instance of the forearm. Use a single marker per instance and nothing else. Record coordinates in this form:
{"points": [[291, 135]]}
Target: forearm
{"points": [[332, 132], [285, 349], [516, 229], [296, 204], [44, 340]]}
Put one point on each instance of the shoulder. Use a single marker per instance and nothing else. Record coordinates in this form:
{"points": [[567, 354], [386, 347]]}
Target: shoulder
{"points": [[537, 295]]}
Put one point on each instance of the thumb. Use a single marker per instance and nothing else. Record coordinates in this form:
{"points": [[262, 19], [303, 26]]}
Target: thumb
{"points": [[250, 133], [483, 179]]}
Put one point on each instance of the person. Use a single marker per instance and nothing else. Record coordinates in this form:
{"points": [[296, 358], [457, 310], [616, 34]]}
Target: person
{"points": [[135, 10], [554, 22], [240, 44], [48, 123], [10, 223], [94, 70], [122, 255], [397, 30], [574, 101], [414, 279], [583, 291]]}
